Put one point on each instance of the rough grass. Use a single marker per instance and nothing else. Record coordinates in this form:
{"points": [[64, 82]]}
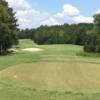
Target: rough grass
{"points": [[11, 91], [56, 73], [86, 54]]}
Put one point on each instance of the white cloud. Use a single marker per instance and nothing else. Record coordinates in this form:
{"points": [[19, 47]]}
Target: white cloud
{"points": [[61, 15], [50, 21], [26, 15], [70, 10], [19, 4], [72, 15], [83, 19], [96, 12], [65, 16], [29, 17]]}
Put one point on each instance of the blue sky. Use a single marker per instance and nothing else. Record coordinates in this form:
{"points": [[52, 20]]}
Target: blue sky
{"points": [[33, 13], [87, 7]]}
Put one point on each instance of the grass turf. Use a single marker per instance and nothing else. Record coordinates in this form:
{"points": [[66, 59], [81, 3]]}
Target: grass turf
{"points": [[56, 73]]}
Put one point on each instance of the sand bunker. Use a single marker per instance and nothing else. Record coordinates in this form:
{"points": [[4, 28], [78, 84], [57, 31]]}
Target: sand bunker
{"points": [[32, 49], [12, 50]]}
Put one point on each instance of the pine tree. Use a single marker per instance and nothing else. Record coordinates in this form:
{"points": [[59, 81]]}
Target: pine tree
{"points": [[8, 27]]}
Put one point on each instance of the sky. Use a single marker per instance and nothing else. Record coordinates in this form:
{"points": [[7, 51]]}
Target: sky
{"points": [[33, 13]]}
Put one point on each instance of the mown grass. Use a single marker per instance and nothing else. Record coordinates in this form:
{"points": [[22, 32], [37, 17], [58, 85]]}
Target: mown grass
{"points": [[16, 92], [59, 72], [55, 51]]}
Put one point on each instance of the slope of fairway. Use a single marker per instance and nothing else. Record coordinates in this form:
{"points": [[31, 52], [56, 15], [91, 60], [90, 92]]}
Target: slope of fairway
{"points": [[66, 76], [56, 73]]}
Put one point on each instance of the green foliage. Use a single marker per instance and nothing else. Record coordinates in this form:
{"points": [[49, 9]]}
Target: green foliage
{"points": [[82, 28], [58, 34], [92, 41], [97, 20], [8, 27], [26, 34]]}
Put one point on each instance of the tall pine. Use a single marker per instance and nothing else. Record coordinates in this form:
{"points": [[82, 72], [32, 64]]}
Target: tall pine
{"points": [[8, 27]]}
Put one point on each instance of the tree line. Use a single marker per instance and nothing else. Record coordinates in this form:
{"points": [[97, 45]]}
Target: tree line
{"points": [[58, 34]]}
